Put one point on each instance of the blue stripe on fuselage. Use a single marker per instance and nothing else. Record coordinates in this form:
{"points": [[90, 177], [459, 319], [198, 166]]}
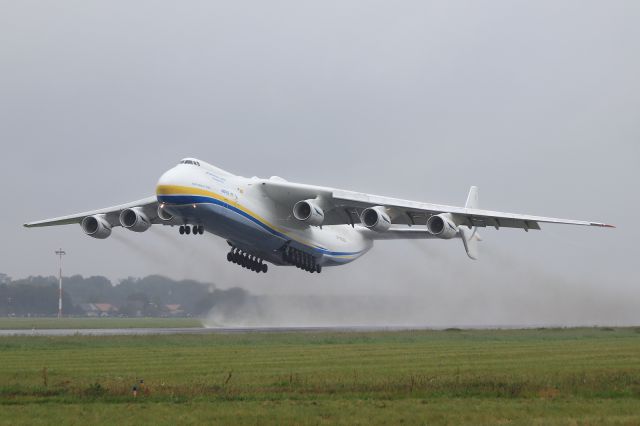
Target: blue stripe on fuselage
{"points": [[199, 199]]}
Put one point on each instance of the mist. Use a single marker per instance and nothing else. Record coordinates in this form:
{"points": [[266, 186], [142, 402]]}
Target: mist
{"points": [[499, 292]]}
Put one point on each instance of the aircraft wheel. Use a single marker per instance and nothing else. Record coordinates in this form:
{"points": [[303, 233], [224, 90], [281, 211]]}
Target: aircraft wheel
{"points": [[181, 230], [265, 268], [187, 229]]}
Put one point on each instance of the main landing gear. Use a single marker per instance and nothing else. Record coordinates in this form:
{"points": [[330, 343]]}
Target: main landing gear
{"points": [[246, 260], [301, 260], [186, 229]]}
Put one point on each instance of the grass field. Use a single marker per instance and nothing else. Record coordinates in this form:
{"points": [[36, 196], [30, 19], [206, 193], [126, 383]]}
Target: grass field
{"points": [[83, 323], [549, 376]]}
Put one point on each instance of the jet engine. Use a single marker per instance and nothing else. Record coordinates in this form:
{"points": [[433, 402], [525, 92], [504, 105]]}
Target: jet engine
{"points": [[309, 212], [164, 214], [134, 220], [96, 226], [442, 226], [376, 218]]}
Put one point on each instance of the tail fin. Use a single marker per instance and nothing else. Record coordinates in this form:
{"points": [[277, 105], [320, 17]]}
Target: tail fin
{"points": [[472, 198], [468, 234]]}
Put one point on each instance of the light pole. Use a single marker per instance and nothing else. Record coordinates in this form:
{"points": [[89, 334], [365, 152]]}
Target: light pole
{"points": [[60, 253]]}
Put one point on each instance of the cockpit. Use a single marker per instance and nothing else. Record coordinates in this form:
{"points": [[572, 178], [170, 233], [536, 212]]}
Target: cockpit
{"points": [[190, 161]]}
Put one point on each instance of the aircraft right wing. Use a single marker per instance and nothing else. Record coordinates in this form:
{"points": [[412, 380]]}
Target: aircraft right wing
{"points": [[148, 205]]}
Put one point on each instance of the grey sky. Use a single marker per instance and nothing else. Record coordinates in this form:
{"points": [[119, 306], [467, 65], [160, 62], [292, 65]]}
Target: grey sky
{"points": [[536, 102]]}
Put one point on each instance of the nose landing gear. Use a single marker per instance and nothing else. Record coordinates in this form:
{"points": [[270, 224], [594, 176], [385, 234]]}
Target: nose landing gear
{"points": [[186, 229]]}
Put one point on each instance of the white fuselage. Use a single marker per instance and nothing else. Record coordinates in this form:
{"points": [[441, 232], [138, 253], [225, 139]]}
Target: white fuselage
{"points": [[236, 209]]}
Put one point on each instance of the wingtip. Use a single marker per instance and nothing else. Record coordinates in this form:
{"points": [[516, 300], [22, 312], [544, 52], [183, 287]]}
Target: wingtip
{"points": [[603, 225]]}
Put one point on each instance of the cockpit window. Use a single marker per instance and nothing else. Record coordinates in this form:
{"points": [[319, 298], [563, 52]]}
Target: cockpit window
{"points": [[195, 163]]}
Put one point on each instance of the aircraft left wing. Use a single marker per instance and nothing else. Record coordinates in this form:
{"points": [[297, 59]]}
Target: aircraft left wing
{"points": [[149, 206], [346, 207]]}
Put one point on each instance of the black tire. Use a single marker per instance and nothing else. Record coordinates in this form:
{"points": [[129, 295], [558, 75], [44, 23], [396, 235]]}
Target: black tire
{"points": [[318, 268], [181, 230], [187, 229], [229, 257], [265, 268]]}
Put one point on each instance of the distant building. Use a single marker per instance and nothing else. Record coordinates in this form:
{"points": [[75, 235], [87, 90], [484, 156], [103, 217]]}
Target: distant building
{"points": [[89, 309], [174, 310], [98, 309]]}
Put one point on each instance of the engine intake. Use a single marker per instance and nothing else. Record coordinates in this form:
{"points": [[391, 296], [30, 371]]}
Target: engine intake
{"points": [[442, 226], [309, 212], [134, 220], [376, 218], [163, 214], [96, 226]]}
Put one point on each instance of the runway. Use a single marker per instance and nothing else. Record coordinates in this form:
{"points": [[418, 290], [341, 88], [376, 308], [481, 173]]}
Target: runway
{"points": [[195, 330]]}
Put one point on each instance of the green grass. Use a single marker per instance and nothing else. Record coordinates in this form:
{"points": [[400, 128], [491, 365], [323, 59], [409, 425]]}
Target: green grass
{"points": [[550, 376], [78, 323]]}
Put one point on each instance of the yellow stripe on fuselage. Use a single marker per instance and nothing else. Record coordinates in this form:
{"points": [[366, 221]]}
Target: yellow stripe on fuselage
{"points": [[189, 190]]}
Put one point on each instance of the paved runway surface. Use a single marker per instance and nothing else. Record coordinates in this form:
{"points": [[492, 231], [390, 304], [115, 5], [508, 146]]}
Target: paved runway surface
{"points": [[193, 330]]}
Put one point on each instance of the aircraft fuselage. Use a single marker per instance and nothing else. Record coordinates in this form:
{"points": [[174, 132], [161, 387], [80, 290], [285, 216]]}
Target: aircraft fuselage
{"points": [[234, 208]]}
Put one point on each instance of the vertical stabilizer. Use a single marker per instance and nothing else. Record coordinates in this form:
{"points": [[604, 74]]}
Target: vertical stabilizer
{"points": [[472, 198], [469, 235]]}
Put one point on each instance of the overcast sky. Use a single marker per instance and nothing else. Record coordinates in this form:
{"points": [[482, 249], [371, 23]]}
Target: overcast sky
{"points": [[536, 102]]}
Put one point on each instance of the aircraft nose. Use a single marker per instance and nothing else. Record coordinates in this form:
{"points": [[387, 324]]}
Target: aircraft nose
{"points": [[169, 180]]}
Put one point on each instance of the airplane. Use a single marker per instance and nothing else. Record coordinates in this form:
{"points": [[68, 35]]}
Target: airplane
{"points": [[292, 224]]}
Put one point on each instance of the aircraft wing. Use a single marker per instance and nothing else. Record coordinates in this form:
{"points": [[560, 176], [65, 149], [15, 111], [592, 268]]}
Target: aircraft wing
{"points": [[148, 205], [345, 207]]}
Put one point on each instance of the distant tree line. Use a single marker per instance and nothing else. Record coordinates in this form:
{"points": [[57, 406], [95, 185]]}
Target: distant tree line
{"points": [[148, 296]]}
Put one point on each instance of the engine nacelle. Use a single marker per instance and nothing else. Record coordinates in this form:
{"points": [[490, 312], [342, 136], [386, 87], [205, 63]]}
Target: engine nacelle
{"points": [[309, 212], [96, 226], [442, 226], [134, 220], [163, 214], [376, 218]]}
